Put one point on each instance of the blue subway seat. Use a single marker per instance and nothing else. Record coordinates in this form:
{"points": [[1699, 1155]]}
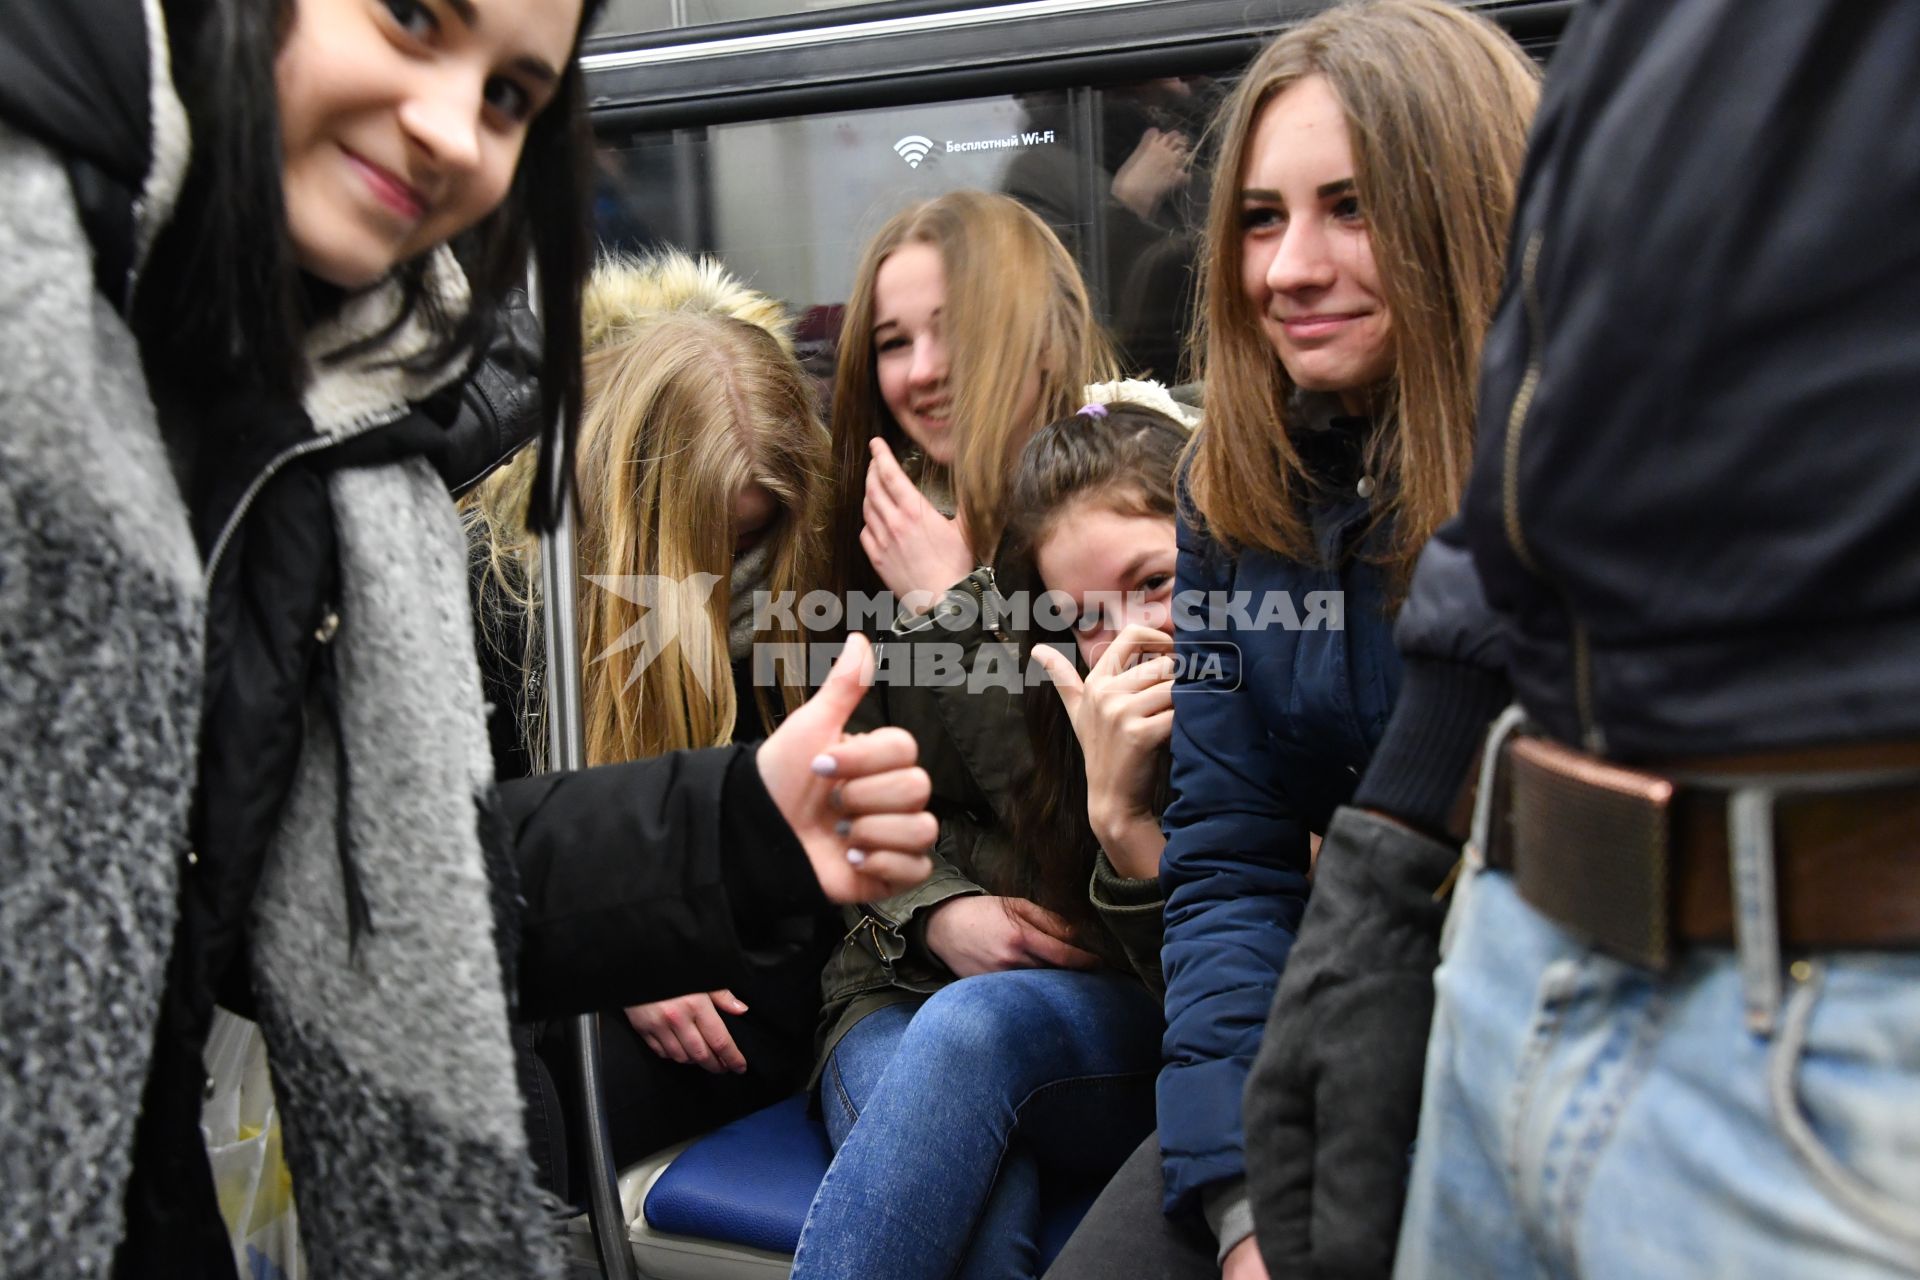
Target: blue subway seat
{"points": [[750, 1183]]}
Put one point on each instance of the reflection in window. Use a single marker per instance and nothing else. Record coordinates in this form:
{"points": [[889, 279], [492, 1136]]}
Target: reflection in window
{"points": [[1132, 213], [787, 204]]}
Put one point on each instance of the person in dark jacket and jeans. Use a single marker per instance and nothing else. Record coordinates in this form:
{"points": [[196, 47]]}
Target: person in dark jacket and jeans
{"points": [[1339, 359], [1677, 1021], [1095, 523], [240, 720]]}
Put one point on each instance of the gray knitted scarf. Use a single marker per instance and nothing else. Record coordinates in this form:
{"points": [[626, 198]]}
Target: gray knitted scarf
{"points": [[752, 570], [101, 610], [390, 1054]]}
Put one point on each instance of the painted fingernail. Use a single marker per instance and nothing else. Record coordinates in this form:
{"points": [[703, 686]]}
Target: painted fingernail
{"points": [[844, 827], [825, 765], [856, 857]]}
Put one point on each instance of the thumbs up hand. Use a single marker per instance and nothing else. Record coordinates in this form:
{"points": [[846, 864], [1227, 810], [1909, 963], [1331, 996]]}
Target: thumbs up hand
{"points": [[1122, 713], [858, 805]]}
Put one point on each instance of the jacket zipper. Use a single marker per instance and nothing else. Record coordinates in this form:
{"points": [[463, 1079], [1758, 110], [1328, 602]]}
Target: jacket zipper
{"points": [[873, 923], [971, 585], [892, 923], [985, 590], [1590, 734], [239, 512]]}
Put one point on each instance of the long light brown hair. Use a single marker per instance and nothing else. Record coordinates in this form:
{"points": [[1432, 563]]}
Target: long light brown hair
{"points": [[1015, 304], [692, 393], [1437, 103]]}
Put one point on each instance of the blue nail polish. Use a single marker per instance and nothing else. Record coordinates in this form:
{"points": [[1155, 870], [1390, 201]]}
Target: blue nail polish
{"points": [[844, 827]]}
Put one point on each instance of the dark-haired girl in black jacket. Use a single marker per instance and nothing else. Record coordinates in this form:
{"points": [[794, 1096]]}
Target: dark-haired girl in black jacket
{"points": [[240, 719]]}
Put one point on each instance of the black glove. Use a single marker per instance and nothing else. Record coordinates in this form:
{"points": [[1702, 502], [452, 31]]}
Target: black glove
{"points": [[1333, 1100]]}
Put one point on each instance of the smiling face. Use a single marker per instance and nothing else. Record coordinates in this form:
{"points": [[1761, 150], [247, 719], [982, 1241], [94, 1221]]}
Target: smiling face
{"points": [[910, 347], [401, 121], [1306, 258], [1116, 567]]}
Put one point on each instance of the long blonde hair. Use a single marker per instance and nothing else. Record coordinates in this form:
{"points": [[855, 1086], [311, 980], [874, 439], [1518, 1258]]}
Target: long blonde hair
{"points": [[692, 393], [1437, 102], [1015, 302]]}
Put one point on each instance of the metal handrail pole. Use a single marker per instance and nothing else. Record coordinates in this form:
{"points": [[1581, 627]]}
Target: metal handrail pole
{"points": [[566, 742]]}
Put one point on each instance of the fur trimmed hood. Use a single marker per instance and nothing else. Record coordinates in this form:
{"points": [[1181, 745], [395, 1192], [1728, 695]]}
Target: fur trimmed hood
{"points": [[625, 291]]}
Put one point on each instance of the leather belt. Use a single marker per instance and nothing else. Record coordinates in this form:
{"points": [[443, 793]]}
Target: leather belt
{"points": [[1639, 863]]}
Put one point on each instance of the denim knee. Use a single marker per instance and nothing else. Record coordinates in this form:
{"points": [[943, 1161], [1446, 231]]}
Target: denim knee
{"points": [[975, 1025]]}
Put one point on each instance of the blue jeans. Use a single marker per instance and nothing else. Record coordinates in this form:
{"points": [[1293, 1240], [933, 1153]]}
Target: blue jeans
{"points": [[1583, 1117], [945, 1117]]}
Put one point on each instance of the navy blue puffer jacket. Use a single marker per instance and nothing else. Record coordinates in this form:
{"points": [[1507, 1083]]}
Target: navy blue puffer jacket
{"points": [[1272, 726]]}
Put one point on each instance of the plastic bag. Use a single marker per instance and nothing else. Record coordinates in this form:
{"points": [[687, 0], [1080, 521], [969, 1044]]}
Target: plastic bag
{"points": [[242, 1131]]}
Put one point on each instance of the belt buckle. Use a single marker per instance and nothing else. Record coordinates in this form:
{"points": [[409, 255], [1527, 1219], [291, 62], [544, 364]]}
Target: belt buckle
{"points": [[1610, 827]]}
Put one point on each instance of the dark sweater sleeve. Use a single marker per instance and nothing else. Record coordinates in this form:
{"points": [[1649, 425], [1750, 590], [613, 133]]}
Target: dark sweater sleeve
{"points": [[1454, 660], [767, 874], [640, 880]]}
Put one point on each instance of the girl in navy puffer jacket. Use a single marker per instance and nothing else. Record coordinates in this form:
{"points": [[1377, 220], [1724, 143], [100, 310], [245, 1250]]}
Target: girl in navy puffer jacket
{"points": [[1355, 240]]}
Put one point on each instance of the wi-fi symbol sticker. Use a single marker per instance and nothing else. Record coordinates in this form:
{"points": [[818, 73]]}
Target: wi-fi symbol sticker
{"points": [[913, 149]]}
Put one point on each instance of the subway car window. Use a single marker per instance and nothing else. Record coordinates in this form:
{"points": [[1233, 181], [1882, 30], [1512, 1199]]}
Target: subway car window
{"points": [[788, 203]]}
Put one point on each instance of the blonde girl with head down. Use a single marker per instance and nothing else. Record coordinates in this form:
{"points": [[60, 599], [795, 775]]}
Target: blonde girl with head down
{"points": [[1354, 252], [701, 453], [702, 480]]}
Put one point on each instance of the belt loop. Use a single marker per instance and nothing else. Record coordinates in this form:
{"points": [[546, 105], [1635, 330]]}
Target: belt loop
{"points": [[1504, 727], [1473, 857], [1756, 915]]}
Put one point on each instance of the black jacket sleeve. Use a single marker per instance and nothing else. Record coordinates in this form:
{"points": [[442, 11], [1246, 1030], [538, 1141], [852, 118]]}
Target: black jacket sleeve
{"points": [[641, 880], [488, 416]]}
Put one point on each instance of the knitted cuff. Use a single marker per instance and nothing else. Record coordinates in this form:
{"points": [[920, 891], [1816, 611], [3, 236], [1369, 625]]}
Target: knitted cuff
{"points": [[1229, 1212], [1109, 888], [1431, 747]]}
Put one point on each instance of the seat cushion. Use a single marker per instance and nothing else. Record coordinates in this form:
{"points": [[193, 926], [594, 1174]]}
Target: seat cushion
{"points": [[747, 1183], [751, 1183]]}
